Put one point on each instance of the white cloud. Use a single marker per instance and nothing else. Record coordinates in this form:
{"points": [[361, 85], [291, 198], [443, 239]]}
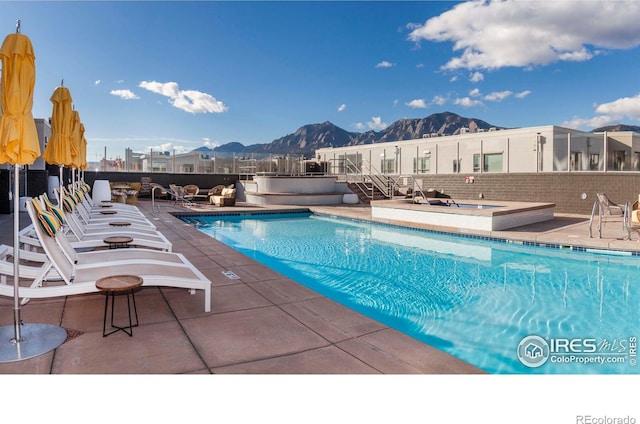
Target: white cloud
{"points": [[342, 107], [124, 94], [609, 113], [376, 123], [523, 94], [358, 126], [96, 82], [384, 64], [439, 100], [188, 100], [467, 102], [454, 78], [476, 77], [589, 123], [417, 104], [496, 34], [208, 143], [474, 93], [498, 96], [420, 65], [625, 107]]}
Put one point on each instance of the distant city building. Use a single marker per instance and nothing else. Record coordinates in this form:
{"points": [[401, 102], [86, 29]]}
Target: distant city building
{"points": [[533, 149]]}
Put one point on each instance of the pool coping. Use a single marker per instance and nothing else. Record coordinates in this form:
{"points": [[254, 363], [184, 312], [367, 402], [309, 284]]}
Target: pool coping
{"points": [[452, 231]]}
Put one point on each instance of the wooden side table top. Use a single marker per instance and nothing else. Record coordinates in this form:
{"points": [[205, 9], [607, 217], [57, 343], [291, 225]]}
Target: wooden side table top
{"points": [[120, 223], [118, 283], [118, 240]]}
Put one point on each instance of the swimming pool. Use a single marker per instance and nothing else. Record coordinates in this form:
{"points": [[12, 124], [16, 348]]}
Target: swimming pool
{"points": [[503, 307]]}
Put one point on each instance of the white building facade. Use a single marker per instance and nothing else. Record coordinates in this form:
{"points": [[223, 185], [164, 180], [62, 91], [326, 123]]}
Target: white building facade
{"points": [[540, 149]]}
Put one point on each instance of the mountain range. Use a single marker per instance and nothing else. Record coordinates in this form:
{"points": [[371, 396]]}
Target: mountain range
{"points": [[306, 139]]}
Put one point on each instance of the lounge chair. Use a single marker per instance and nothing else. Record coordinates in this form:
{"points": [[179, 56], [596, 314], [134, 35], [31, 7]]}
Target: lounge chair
{"points": [[81, 278], [87, 216], [93, 238], [607, 209], [178, 195], [190, 191], [433, 196], [81, 197]]}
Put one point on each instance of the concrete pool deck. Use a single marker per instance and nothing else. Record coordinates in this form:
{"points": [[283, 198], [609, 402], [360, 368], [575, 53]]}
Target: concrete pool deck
{"points": [[260, 323]]}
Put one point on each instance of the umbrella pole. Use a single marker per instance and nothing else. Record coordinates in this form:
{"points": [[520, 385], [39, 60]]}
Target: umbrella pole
{"points": [[16, 256], [30, 340], [60, 188]]}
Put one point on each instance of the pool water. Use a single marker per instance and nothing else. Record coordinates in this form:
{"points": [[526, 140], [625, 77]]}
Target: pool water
{"points": [[475, 299]]}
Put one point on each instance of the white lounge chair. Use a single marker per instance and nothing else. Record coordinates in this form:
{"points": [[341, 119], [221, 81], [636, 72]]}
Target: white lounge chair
{"points": [[78, 279], [81, 238]]}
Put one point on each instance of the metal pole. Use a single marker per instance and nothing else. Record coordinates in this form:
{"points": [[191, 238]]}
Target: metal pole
{"points": [[16, 256]]}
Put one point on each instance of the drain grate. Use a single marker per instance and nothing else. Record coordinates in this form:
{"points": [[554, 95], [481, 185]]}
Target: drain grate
{"points": [[230, 275]]}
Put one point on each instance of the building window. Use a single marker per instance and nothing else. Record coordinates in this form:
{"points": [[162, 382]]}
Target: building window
{"points": [[492, 162], [159, 166], [421, 165], [594, 161], [388, 166], [354, 163], [576, 161], [619, 160], [476, 162], [636, 161], [455, 166]]}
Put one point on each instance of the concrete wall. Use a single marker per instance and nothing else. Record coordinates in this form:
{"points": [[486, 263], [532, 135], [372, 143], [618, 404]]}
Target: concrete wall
{"points": [[565, 190]]}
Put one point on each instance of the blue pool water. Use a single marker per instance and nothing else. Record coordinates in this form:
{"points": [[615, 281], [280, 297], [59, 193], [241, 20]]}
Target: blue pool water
{"points": [[475, 299]]}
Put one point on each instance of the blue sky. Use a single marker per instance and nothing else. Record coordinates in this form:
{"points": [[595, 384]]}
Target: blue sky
{"points": [[180, 75]]}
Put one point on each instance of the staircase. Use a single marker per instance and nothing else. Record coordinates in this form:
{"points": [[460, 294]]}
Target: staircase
{"points": [[372, 186], [366, 192]]}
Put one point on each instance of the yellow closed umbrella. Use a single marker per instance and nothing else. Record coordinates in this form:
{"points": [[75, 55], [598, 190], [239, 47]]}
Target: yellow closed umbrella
{"points": [[19, 145], [18, 135], [83, 151], [58, 150], [76, 140]]}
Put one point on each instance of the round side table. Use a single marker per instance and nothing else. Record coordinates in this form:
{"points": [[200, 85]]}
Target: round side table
{"points": [[119, 284], [119, 223], [116, 242]]}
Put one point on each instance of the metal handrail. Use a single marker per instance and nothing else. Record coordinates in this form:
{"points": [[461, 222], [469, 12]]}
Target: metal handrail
{"points": [[352, 171]]}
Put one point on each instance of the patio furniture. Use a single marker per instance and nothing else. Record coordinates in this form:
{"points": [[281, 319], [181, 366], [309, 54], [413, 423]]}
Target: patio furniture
{"points": [[190, 192], [119, 284], [116, 242], [145, 187], [101, 190], [226, 198], [74, 278], [216, 191], [178, 195], [82, 235], [607, 209]]}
